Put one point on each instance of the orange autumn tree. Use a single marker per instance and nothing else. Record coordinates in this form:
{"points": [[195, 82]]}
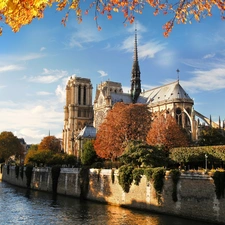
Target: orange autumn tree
{"points": [[167, 133], [50, 143], [123, 123], [17, 13]]}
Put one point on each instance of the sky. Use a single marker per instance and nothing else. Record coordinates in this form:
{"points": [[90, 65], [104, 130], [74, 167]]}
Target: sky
{"points": [[36, 63]]}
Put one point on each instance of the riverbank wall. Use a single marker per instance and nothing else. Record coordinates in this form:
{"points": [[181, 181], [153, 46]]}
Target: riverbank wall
{"points": [[196, 197]]}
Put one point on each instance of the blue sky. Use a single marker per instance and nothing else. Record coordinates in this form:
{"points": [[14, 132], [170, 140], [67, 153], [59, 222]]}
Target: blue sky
{"points": [[36, 62]]}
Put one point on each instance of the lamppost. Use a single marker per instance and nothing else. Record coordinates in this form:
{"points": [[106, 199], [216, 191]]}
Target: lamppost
{"points": [[206, 157]]}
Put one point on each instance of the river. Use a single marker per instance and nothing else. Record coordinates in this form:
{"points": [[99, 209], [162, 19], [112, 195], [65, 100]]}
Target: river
{"points": [[20, 206]]}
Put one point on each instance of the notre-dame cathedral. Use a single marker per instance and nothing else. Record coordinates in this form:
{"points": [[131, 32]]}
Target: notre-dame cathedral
{"points": [[82, 117]]}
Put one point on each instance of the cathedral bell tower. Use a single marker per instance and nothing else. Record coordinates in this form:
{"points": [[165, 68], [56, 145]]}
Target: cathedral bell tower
{"points": [[135, 74], [78, 111]]}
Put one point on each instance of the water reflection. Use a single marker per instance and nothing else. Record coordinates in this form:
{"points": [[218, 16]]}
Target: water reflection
{"points": [[23, 206]]}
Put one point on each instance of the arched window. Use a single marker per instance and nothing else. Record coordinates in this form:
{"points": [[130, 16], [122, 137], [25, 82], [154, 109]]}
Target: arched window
{"points": [[79, 94], [85, 95], [179, 116]]}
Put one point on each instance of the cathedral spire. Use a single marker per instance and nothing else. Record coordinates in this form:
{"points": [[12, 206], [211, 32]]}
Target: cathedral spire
{"points": [[135, 74]]}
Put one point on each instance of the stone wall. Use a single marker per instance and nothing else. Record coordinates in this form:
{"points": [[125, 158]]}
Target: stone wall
{"points": [[196, 192]]}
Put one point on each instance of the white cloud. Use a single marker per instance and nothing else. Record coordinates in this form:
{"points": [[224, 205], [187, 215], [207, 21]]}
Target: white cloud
{"points": [[10, 68], [49, 76], [102, 73], [209, 56], [83, 35], [148, 50], [60, 93], [145, 50], [32, 119], [140, 27], [60, 90], [32, 133], [206, 80], [37, 109], [43, 93], [42, 49], [30, 56]]}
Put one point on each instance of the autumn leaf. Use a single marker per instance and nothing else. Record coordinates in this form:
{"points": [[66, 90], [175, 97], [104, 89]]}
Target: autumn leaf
{"points": [[17, 13], [123, 123]]}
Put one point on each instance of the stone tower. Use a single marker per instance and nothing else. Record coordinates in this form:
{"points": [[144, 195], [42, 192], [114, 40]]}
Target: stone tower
{"points": [[106, 95], [135, 74], [78, 111]]}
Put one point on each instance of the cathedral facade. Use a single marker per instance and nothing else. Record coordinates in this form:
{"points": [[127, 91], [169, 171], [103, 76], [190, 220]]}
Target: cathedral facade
{"points": [[82, 118]]}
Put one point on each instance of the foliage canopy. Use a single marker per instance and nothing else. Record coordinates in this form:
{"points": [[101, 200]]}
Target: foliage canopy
{"points": [[88, 155], [123, 123], [17, 13], [167, 133], [197, 154], [211, 136], [140, 154], [9, 145], [47, 157], [50, 143]]}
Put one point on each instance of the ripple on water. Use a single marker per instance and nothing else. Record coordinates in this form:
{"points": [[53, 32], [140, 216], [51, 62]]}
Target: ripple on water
{"points": [[19, 206]]}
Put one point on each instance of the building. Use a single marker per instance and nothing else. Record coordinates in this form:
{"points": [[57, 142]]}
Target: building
{"points": [[79, 111]]}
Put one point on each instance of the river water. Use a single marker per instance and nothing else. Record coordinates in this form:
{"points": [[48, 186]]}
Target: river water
{"points": [[19, 206]]}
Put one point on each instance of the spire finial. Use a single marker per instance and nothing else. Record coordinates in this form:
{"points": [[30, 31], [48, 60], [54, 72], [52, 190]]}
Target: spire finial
{"points": [[178, 75], [135, 77]]}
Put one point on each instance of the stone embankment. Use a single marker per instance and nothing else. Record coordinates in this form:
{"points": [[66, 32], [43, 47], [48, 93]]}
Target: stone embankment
{"points": [[196, 196]]}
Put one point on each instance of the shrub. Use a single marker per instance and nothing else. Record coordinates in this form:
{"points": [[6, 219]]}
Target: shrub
{"points": [[156, 175], [126, 177], [137, 175], [175, 176]]}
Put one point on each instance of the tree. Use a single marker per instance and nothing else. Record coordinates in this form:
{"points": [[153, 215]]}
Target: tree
{"points": [[33, 147], [141, 154], [19, 13], [123, 123], [211, 136], [88, 153], [38, 157], [9, 145], [50, 143], [167, 133], [30, 154]]}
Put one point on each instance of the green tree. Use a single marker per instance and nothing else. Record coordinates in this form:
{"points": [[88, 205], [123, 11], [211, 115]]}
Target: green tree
{"points": [[9, 146], [211, 136], [216, 154], [50, 143], [33, 147], [88, 153], [40, 157], [141, 154]]}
